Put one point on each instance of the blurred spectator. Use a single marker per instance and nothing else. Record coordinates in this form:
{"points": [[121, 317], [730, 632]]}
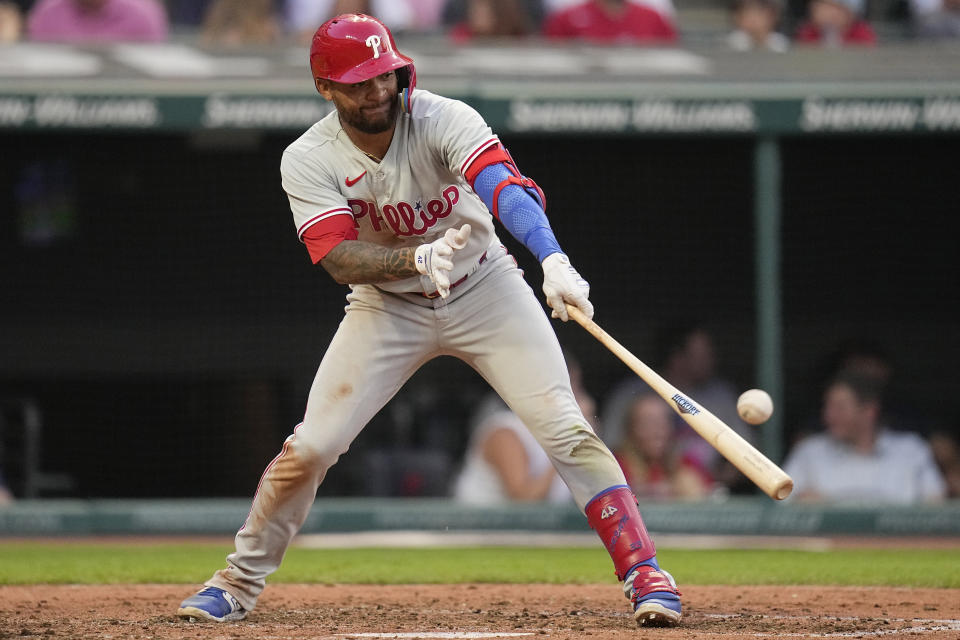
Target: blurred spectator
{"points": [[755, 26], [427, 14], [611, 21], [11, 22], [492, 18], [835, 23], [505, 463], [187, 13], [946, 451], [241, 22], [650, 456], [865, 357], [6, 496], [687, 359], [936, 18], [869, 359], [858, 458], [97, 21], [663, 6], [305, 16]]}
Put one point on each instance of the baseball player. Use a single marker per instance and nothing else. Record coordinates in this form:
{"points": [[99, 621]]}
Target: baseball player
{"points": [[392, 194]]}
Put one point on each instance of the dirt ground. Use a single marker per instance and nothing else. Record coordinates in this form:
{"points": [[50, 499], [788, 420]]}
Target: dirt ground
{"points": [[483, 610]]}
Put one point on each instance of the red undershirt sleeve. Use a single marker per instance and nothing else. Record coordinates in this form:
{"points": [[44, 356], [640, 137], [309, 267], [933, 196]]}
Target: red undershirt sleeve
{"points": [[323, 236]]}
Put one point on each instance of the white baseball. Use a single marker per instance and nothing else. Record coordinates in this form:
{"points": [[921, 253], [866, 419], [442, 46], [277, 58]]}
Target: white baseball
{"points": [[755, 406]]}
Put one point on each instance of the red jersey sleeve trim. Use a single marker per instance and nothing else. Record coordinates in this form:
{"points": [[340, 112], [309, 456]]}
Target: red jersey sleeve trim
{"points": [[323, 216], [322, 237], [476, 152]]}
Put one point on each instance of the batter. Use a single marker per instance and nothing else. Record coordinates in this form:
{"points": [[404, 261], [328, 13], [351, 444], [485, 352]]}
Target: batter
{"points": [[392, 194]]}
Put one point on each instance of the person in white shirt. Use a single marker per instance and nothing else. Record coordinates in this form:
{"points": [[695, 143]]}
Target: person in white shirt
{"points": [[755, 26], [858, 459]]}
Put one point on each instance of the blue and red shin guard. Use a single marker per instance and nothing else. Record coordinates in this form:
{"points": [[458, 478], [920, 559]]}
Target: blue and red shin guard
{"points": [[615, 515]]}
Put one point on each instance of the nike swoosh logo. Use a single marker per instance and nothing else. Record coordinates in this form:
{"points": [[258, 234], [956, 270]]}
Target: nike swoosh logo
{"points": [[350, 182]]}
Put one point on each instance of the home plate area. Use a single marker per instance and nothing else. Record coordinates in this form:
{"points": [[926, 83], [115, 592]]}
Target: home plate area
{"points": [[566, 612]]}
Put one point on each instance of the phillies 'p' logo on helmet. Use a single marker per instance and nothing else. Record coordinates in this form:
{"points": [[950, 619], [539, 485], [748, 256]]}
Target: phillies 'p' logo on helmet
{"points": [[355, 47]]}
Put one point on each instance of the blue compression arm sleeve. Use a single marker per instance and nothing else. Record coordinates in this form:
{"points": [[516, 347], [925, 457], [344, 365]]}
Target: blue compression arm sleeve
{"points": [[520, 213]]}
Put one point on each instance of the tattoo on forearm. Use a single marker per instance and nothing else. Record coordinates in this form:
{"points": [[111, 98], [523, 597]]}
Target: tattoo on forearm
{"points": [[358, 262]]}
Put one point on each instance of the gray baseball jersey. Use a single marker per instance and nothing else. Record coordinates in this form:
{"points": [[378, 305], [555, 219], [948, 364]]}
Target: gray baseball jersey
{"points": [[411, 197]]}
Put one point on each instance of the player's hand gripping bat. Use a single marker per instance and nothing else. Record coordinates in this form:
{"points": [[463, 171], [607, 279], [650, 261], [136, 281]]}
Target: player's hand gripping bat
{"points": [[744, 456]]}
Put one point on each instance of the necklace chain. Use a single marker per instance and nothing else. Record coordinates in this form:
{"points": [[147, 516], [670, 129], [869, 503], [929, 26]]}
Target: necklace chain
{"points": [[376, 159], [366, 153]]}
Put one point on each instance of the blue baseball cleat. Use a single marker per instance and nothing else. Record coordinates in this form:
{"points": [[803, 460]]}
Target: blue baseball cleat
{"points": [[212, 604], [654, 595]]}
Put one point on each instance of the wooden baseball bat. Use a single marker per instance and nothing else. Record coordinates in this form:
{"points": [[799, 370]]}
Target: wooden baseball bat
{"points": [[743, 455]]}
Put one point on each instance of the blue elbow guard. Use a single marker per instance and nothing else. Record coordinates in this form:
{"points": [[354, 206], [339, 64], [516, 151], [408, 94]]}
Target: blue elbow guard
{"points": [[519, 204]]}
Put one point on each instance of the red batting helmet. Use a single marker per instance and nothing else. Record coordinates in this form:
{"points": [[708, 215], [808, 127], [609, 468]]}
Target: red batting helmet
{"points": [[355, 47]]}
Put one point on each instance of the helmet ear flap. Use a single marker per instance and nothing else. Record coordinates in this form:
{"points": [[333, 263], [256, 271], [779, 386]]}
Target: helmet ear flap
{"points": [[406, 81], [403, 78]]}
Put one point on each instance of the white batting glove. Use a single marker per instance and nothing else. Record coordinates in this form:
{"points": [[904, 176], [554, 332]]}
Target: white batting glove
{"points": [[435, 259], [562, 283]]}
